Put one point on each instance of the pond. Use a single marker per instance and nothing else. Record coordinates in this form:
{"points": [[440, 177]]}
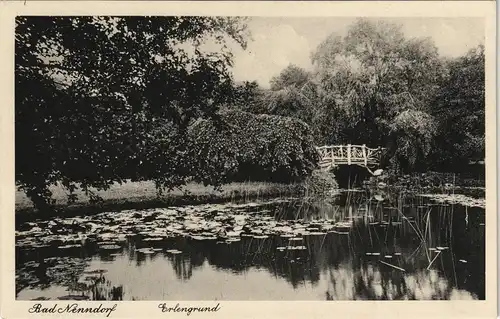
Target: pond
{"points": [[354, 246]]}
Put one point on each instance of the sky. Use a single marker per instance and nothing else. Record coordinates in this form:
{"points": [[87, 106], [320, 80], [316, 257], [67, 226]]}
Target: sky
{"points": [[278, 42]]}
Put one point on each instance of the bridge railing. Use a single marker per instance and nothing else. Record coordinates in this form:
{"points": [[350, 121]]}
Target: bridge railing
{"points": [[349, 154]]}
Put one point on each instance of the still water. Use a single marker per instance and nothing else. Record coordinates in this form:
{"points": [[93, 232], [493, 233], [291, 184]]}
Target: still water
{"points": [[358, 245]]}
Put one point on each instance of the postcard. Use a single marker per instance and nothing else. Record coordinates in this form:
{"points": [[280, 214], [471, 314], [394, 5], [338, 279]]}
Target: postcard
{"points": [[248, 159]]}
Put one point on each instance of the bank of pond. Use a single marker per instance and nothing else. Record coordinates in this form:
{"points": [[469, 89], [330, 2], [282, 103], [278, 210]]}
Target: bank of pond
{"points": [[367, 244]]}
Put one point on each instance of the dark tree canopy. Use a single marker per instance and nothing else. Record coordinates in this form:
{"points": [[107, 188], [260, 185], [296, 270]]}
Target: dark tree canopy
{"points": [[374, 73], [377, 87], [460, 108], [103, 99], [292, 75], [251, 147], [106, 99]]}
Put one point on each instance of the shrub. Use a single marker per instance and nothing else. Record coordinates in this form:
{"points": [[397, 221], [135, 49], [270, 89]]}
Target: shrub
{"points": [[240, 146], [320, 183]]}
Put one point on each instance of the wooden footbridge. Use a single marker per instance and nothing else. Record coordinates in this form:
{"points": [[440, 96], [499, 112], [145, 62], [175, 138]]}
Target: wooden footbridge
{"points": [[335, 155]]}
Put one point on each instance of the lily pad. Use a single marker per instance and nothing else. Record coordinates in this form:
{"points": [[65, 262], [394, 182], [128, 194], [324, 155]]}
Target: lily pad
{"points": [[69, 246], [153, 239], [106, 243], [233, 233], [296, 247], [196, 237], [145, 250], [260, 236], [110, 247], [174, 251]]}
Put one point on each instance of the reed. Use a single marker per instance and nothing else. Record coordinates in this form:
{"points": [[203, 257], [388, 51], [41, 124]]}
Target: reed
{"points": [[143, 195]]}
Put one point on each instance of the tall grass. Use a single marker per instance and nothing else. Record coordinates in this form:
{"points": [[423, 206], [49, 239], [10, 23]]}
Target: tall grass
{"points": [[143, 195]]}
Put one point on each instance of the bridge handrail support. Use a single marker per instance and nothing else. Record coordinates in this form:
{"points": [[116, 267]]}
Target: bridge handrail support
{"points": [[352, 146]]}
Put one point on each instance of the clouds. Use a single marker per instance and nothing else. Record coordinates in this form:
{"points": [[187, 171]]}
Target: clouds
{"points": [[452, 36], [273, 48], [278, 42]]}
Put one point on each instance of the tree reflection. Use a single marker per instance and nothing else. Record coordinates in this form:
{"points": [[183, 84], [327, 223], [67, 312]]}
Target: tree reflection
{"points": [[373, 283], [398, 248]]}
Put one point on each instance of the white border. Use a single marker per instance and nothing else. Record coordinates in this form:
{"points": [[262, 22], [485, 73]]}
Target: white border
{"points": [[10, 308]]}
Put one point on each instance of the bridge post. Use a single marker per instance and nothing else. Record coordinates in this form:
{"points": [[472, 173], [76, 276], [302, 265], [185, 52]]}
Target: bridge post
{"points": [[348, 154], [332, 154], [363, 149]]}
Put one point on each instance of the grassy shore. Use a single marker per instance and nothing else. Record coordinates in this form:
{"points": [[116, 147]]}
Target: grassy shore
{"points": [[142, 195]]}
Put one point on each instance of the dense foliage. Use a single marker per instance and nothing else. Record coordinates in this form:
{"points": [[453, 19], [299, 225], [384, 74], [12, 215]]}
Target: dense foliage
{"points": [[460, 111], [245, 147], [373, 86], [102, 99]]}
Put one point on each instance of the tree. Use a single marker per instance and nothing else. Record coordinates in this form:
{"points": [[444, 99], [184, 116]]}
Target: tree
{"points": [[292, 75], [460, 107], [374, 77], [103, 99], [292, 93], [248, 97], [413, 134], [251, 147]]}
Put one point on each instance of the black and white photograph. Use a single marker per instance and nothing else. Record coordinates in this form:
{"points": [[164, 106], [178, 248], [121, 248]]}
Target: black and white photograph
{"points": [[250, 158]]}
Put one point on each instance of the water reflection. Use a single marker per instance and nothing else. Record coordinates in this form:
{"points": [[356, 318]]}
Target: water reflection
{"points": [[392, 247]]}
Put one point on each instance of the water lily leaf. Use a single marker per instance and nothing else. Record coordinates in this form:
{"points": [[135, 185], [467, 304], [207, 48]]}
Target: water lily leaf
{"points": [[153, 239], [145, 250], [110, 247], [106, 243], [196, 237], [69, 246], [296, 247], [233, 233], [260, 236], [174, 251]]}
